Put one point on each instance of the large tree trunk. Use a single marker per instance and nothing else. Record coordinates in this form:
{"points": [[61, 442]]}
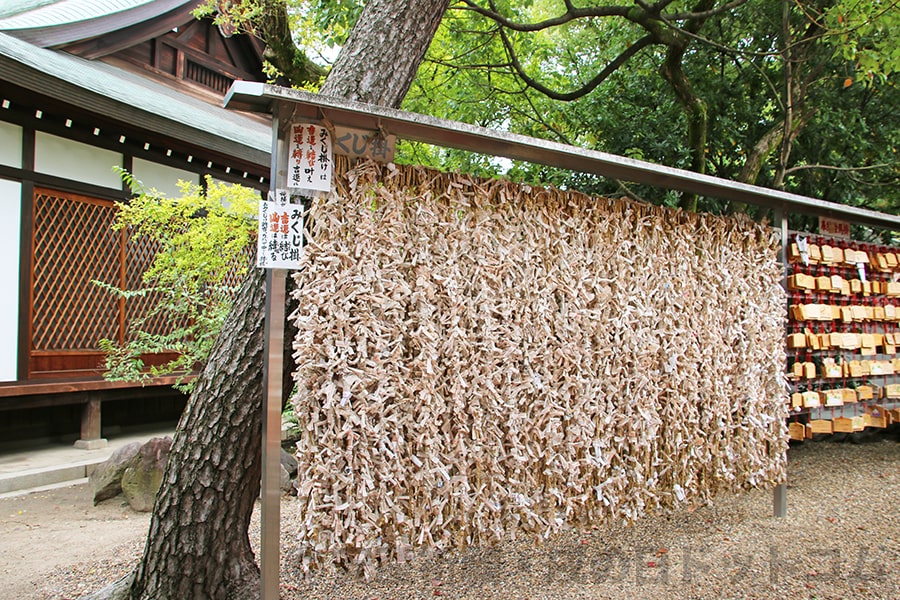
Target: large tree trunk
{"points": [[379, 66], [198, 545]]}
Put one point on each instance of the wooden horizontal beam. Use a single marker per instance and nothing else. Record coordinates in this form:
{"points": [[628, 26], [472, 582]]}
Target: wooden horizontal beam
{"points": [[68, 386]]}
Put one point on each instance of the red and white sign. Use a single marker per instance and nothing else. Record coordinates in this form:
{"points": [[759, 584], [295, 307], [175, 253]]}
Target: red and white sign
{"points": [[310, 158], [834, 228], [280, 235]]}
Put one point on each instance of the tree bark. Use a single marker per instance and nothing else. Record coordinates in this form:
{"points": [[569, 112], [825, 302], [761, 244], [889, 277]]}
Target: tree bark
{"points": [[198, 546], [379, 67], [274, 30]]}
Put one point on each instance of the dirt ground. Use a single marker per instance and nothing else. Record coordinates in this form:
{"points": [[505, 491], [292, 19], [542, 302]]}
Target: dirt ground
{"points": [[45, 531], [841, 539]]}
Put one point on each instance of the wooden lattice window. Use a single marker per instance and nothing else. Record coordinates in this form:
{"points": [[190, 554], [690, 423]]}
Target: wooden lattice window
{"points": [[137, 256], [74, 245]]}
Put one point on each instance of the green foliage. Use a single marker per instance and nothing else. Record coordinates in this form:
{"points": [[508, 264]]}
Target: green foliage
{"points": [[314, 24], [241, 15], [739, 62], [276, 23], [288, 415], [202, 240], [865, 33], [845, 149], [324, 24], [466, 77]]}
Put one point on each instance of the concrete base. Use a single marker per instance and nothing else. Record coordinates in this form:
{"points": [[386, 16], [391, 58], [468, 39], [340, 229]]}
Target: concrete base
{"points": [[35, 466], [91, 444], [22, 480]]}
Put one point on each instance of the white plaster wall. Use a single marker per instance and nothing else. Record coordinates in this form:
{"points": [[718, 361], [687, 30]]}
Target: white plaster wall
{"points": [[10, 145], [76, 161], [162, 178], [10, 211]]}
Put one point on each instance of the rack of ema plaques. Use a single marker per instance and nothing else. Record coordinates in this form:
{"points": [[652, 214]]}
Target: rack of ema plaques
{"points": [[843, 335]]}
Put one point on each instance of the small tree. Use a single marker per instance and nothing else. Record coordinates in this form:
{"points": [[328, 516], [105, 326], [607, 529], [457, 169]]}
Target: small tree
{"points": [[202, 241]]}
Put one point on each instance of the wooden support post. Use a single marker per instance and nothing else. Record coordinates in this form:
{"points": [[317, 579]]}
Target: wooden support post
{"points": [[90, 426], [270, 517], [779, 501]]}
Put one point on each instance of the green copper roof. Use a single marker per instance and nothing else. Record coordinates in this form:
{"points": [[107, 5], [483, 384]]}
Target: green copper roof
{"points": [[15, 7], [49, 23], [25, 14], [130, 97]]}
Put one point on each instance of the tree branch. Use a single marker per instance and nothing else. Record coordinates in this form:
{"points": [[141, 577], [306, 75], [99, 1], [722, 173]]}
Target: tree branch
{"points": [[704, 14], [629, 192], [473, 49], [270, 25], [572, 13], [611, 68], [538, 117], [274, 29], [787, 138], [835, 168]]}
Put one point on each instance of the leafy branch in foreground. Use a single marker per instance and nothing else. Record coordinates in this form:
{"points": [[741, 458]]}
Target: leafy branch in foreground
{"points": [[201, 243]]}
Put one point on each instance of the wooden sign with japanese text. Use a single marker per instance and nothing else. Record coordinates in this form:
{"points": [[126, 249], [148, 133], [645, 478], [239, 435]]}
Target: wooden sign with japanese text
{"points": [[834, 228], [357, 143]]}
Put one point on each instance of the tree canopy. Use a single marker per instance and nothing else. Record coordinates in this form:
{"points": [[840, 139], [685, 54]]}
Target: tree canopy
{"points": [[761, 92], [799, 95]]}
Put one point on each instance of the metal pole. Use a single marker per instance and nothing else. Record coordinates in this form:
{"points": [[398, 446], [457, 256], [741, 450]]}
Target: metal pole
{"points": [[779, 498], [270, 515], [271, 450]]}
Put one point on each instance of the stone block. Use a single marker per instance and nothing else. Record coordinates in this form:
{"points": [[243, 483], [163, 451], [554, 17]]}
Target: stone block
{"points": [[106, 478], [91, 444], [142, 479], [289, 462]]}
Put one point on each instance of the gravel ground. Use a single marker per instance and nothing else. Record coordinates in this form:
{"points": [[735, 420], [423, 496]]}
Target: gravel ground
{"points": [[841, 539]]}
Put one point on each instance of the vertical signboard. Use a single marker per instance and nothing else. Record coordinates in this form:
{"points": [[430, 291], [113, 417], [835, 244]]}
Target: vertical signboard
{"points": [[310, 159], [280, 234]]}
